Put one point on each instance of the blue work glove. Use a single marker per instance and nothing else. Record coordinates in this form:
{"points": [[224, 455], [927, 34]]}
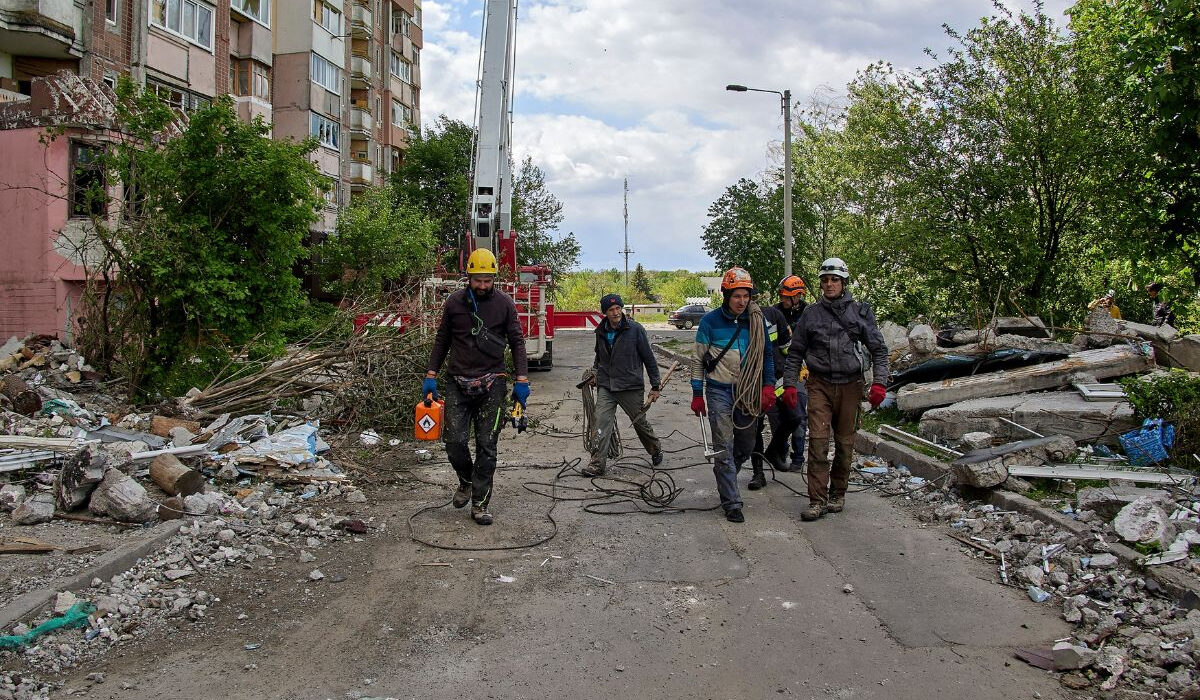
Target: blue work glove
{"points": [[429, 387], [520, 393]]}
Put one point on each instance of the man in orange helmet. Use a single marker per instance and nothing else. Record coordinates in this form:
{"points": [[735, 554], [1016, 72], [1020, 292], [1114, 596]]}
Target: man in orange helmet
{"points": [[735, 370]]}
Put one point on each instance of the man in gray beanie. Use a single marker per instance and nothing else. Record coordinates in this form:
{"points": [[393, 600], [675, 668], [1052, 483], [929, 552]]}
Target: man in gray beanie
{"points": [[622, 350]]}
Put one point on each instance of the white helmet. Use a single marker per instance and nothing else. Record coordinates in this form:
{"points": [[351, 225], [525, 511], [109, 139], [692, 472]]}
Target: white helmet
{"points": [[834, 266]]}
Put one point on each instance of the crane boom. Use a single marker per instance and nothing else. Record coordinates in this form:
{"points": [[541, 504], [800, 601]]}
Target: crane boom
{"points": [[491, 192]]}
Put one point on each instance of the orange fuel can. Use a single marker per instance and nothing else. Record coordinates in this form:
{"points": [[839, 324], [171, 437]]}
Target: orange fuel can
{"points": [[427, 423]]}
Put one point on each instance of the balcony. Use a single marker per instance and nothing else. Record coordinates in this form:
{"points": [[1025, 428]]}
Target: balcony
{"points": [[360, 72], [361, 121], [41, 28], [361, 20], [361, 175]]}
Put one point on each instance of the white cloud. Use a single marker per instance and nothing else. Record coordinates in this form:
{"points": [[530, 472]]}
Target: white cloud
{"points": [[633, 88]]}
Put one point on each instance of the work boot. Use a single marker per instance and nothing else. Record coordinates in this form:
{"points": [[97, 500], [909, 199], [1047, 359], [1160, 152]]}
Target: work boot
{"points": [[812, 512], [836, 504], [481, 515], [734, 515], [656, 458], [759, 479], [594, 470], [462, 496]]}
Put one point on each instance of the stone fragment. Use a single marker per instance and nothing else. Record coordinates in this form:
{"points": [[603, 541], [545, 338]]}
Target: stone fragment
{"points": [[203, 504], [1180, 680], [1144, 521], [306, 557], [63, 602], [1183, 352], [976, 440], [315, 575], [1103, 561], [38, 508], [1069, 657], [985, 474], [121, 498], [1031, 574], [181, 436], [356, 496], [11, 496], [922, 340]]}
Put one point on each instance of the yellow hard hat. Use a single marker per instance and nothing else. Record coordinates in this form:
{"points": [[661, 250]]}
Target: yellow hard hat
{"points": [[481, 262]]}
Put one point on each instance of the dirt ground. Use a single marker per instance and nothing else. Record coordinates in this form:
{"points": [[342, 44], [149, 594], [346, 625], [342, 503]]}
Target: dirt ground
{"points": [[864, 604]]}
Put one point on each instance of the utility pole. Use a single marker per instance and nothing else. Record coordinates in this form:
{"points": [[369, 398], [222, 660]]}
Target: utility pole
{"points": [[627, 252]]}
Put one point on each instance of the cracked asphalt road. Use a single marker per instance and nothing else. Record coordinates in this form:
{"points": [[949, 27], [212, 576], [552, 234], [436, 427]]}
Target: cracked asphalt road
{"points": [[641, 606]]}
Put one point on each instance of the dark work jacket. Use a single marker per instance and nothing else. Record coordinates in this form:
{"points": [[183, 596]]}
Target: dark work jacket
{"points": [[619, 368], [829, 350], [779, 333], [793, 314], [499, 316]]}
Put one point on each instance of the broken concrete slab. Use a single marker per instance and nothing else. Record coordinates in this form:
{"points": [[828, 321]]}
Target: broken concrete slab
{"points": [[121, 498], [1029, 326], [1103, 363], [1144, 521], [894, 336], [1059, 412], [38, 508], [982, 474], [922, 340], [1013, 342], [1106, 502], [1184, 353], [976, 440]]}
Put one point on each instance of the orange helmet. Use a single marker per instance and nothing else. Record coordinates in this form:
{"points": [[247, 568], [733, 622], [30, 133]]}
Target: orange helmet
{"points": [[791, 286], [736, 278]]}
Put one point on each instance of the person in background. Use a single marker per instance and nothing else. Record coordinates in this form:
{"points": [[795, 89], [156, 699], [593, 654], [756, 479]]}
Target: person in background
{"points": [[1107, 302], [1160, 311], [622, 350]]}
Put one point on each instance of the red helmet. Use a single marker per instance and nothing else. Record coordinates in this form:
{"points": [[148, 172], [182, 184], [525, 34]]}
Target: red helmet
{"points": [[791, 286], [736, 278]]}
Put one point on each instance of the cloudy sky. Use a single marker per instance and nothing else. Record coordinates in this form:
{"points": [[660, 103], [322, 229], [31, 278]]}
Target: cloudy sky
{"points": [[636, 88]]}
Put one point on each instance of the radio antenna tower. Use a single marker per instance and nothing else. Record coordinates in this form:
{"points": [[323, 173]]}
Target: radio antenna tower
{"points": [[627, 252]]}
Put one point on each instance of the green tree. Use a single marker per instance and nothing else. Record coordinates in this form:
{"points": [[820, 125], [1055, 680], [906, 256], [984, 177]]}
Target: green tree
{"points": [[681, 285], [435, 179], [378, 239], [745, 229], [209, 230], [641, 285], [979, 174], [536, 215]]}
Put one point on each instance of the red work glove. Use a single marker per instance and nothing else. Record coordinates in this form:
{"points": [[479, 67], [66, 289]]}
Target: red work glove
{"points": [[768, 398], [790, 398], [698, 406], [876, 395]]}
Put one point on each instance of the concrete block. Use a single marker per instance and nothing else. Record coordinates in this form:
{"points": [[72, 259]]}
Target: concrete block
{"points": [[38, 508], [1184, 353], [1058, 413], [922, 340], [1108, 501], [976, 440], [120, 497], [1144, 521], [1068, 656]]}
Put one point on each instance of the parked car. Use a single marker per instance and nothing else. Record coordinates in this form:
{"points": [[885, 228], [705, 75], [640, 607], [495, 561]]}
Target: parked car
{"points": [[686, 317]]}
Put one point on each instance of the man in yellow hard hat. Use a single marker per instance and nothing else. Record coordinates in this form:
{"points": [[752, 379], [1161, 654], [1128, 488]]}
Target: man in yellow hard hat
{"points": [[477, 324]]}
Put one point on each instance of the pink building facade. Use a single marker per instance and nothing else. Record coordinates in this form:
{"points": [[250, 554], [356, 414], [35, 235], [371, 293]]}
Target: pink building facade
{"points": [[42, 230]]}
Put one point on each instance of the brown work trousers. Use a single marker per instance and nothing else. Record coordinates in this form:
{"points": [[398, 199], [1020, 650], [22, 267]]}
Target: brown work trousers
{"points": [[832, 410]]}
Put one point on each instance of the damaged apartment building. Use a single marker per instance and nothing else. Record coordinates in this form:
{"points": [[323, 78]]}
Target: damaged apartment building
{"points": [[345, 72]]}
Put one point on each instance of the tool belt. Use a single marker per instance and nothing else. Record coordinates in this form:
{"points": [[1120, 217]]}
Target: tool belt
{"points": [[474, 387]]}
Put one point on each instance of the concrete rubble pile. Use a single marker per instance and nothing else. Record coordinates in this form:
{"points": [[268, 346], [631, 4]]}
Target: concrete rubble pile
{"points": [[250, 490], [1130, 635]]}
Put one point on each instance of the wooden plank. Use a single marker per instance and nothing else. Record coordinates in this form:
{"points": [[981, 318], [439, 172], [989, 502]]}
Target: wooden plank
{"points": [[39, 443], [1115, 361], [1084, 471]]}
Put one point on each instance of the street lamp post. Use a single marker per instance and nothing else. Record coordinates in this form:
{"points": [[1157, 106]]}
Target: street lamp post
{"points": [[786, 102]]}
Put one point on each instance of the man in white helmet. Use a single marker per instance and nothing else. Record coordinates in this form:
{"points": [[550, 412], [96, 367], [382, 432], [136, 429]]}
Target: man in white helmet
{"points": [[830, 337]]}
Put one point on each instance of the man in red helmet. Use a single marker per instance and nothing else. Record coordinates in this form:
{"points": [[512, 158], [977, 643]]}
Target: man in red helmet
{"points": [[789, 427], [735, 370], [838, 338]]}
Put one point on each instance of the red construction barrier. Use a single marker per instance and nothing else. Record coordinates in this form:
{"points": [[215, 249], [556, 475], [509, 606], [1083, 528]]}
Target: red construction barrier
{"points": [[577, 319]]}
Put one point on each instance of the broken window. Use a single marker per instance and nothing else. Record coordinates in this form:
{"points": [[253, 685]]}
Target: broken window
{"points": [[88, 197]]}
